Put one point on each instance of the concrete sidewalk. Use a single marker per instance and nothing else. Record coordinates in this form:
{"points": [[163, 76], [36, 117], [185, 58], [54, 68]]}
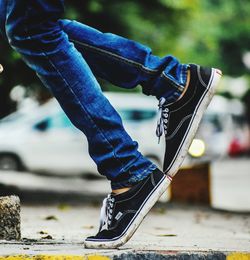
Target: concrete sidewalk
{"points": [[168, 232]]}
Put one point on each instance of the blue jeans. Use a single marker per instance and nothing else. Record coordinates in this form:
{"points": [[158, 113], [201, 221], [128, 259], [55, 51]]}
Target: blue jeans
{"points": [[67, 56]]}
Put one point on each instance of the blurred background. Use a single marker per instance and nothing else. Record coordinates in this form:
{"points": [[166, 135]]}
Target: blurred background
{"points": [[40, 149]]}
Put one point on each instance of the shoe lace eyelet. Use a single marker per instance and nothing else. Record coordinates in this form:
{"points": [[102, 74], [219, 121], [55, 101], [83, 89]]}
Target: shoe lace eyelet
{"points": [[106, 213], [162, 122]]}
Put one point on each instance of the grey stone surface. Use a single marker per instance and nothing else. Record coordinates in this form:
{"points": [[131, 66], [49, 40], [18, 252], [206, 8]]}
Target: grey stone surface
{"points": [[186, 232], [10, 218]]}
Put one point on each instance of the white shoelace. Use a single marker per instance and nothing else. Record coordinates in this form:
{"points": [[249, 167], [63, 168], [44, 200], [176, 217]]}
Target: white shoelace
{"points": [[106, 212], [163, 113]]}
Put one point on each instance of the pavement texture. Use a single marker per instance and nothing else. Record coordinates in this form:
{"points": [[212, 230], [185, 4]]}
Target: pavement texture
{"points": [[170, 231], [58, 213]]}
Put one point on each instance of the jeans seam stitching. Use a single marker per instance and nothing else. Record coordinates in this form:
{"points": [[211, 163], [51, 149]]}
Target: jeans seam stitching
{"points": [[131, 163], [133, 63], [184, 69], [183, 74], [116, 56], [136, 64], [122, 166], [175, 85]]}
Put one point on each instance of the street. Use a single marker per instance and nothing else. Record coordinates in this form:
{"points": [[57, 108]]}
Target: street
{"points": [[55, 219], [61, 230], [230, 182]]}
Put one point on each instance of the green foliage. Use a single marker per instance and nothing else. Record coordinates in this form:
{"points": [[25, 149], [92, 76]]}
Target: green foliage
{"points": [[209, 32], [221, 34]]}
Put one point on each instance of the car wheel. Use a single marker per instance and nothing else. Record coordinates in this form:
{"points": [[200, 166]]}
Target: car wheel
{"points": [[9, 163]]}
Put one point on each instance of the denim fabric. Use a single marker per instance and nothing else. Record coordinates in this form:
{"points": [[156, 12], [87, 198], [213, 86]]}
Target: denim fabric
{"points": [[126, 63], [68, 55]]}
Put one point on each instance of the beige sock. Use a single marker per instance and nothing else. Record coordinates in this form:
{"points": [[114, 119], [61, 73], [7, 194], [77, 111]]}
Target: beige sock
{"points": [[121, 190], [187, 84]]}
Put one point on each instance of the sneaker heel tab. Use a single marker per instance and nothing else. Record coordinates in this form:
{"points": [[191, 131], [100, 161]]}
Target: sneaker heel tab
{"points": [[219, 72]]}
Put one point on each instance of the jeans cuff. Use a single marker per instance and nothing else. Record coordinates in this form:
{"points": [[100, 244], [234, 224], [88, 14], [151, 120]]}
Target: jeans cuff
{"points": [[133, 178], [179, 86]]}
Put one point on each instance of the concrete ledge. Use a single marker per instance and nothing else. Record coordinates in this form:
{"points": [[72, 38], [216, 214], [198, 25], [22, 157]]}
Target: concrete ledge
{"points": [[165, 255], [10, 218]]}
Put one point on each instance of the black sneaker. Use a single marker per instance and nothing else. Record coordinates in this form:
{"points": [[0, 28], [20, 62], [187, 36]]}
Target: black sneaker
{"points": [[179, 121], [122, 214]]}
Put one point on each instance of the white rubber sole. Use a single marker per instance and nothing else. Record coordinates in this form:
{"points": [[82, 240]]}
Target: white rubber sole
{"points": [[194, 123], [136, 221]]}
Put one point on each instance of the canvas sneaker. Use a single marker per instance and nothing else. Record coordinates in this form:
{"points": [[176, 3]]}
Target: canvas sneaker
{"points": [[179, 121], [122, 214]]}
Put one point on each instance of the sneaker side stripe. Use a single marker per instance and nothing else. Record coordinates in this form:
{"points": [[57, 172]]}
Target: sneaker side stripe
{"points": [[169, 177], [210, 87]]}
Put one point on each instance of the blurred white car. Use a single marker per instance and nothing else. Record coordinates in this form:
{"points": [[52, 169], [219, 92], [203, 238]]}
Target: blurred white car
{"points": [[44, 140]]}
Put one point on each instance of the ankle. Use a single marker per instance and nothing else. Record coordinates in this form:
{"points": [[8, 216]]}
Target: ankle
{"points": [[186, 86], [121, 190]]}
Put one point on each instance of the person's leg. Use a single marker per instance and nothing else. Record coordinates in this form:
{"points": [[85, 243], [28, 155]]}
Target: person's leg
{"points": [[127, 63], [184, 91], [32, 29]]}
